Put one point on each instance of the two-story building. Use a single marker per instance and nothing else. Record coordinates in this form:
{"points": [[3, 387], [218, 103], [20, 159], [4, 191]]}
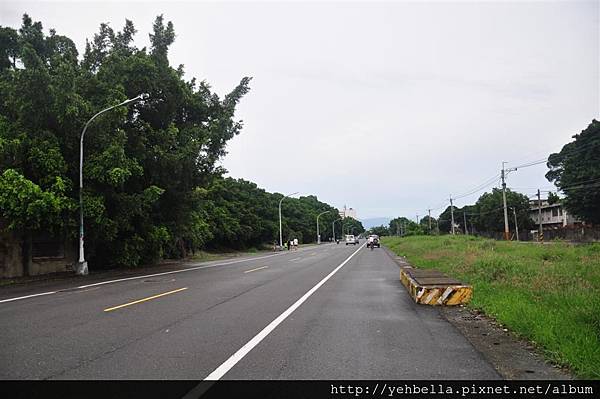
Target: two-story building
{"points": [[553, 215]]}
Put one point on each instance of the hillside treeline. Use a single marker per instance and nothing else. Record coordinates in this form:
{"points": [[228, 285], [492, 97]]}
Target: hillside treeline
{"points": [[153, 187], [239, 214]]}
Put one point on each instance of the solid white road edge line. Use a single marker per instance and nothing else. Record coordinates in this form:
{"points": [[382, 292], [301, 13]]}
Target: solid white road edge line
{"points": [[28, 296], [243, 351]]}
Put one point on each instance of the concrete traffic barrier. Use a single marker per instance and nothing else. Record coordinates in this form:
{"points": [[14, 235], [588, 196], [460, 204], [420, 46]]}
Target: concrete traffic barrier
{"points": [[432, 287]]}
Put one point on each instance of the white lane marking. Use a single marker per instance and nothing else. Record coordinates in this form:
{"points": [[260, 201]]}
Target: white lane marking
{"points": [[28, 296], [258, 268], [148, 275], [243, 351], [139, 277], [292, 260]]}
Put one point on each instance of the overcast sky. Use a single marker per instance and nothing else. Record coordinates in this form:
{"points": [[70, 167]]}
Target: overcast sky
{"points": [[386, 107]]}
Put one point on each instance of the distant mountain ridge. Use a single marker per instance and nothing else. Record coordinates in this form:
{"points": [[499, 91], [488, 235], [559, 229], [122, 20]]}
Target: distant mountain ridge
{"points": [[374, 222]]}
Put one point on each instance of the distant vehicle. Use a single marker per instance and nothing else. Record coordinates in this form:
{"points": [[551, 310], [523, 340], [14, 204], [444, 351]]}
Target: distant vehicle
{"points": [[373, 241], [350, 239]]}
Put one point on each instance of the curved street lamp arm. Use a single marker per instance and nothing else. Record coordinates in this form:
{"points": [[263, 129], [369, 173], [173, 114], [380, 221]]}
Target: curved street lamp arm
{"points": [[318, 233], [82, 264], [280, 232]]}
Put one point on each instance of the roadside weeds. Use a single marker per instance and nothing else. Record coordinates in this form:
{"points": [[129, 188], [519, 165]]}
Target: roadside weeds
{"points": [[545, 296]]}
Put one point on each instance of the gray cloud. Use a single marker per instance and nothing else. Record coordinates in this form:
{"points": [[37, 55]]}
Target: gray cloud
{"points": [[386, 107]]}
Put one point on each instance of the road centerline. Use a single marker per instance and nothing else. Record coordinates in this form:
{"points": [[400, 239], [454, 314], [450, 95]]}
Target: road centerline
{"points": [[220, 371], [144, 299], [258, 268]]}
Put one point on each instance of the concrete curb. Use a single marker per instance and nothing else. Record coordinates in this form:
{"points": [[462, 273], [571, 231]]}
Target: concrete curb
{"points": [[431, 287]]}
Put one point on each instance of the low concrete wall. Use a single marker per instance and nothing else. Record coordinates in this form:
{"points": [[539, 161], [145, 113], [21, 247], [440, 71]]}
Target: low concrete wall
{"points": [[12, 262], [54, 265], [11, 256]]}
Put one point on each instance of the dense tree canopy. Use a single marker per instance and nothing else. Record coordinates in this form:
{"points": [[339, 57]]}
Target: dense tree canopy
{"points": [[489, 211], [428, 226], [576, 172], [405, 227], [152, 184], [352, 226], [487, 214], [381, 231]]}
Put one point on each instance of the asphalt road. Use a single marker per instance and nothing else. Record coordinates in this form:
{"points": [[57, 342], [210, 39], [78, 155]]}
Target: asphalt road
{"points": [[327, 312]]}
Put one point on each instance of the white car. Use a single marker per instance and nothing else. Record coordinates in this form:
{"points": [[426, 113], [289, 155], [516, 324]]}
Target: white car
{"points": [[350, 239]]}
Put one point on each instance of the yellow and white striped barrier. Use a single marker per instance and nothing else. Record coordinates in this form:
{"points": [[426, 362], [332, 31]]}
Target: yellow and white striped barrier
{"points": [[431, 287]]}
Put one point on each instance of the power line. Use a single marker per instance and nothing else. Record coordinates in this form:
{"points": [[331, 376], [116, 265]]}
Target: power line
{"points": [[567, 153], [532, 163], [582, 186], [495, 178], [479, 187]]}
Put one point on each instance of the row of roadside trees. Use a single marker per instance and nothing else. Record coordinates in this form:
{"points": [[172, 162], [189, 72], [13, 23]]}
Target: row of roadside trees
{"points": [[153, 187]]}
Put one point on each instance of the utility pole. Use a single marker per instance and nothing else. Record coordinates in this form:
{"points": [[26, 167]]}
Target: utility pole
{"points": [[417, 218], [541, 231], [452, 214], [437, 222], [516, 225], [506, 232], [429, 216], [465, 219]]}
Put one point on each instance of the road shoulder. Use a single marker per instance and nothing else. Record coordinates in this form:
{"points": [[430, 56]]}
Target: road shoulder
{"points": [[512, 357]]}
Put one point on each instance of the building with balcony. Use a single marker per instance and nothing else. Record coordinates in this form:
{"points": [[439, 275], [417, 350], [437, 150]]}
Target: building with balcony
{"points": [[552, 215]]}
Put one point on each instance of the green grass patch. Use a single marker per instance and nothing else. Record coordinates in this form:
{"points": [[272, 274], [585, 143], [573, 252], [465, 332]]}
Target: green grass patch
{"points": [[227, 253], [203, 256], [549, 294]]}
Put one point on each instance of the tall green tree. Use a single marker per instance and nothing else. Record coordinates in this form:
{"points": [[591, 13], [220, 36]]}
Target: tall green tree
{"points": [[143, 163], [405, 226], [380, 231], [352, 226], [426, 222], [488, 213], [575, 170]]}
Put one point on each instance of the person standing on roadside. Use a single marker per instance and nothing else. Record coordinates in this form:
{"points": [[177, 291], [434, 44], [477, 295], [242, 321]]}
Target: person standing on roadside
{"points": [[295, 244]]}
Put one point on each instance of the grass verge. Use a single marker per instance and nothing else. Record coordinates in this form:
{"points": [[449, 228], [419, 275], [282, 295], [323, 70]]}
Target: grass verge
{"points": [[549, 294], [205, 256]]}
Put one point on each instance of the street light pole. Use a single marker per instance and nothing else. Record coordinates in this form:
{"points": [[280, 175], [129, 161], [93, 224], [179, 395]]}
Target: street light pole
{"points": [[280, 233], [82, 267], [333, 227], [319, 235]]}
